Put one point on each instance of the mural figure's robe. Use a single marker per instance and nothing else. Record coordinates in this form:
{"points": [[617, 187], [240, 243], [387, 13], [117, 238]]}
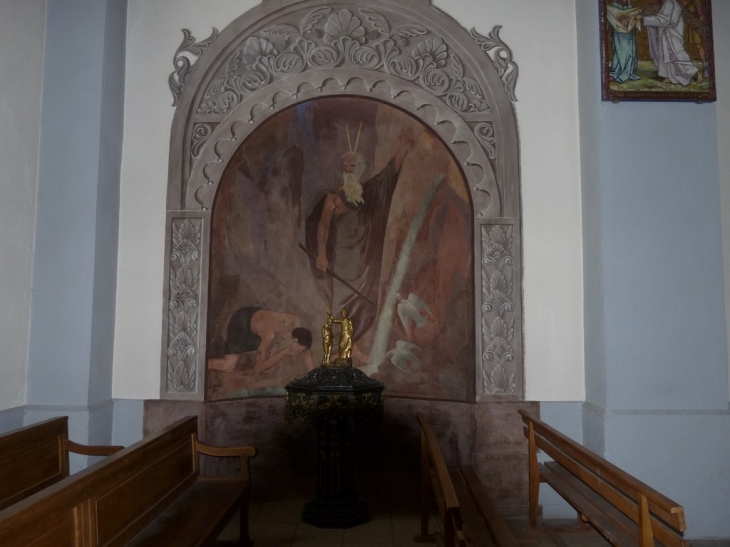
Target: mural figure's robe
{"points": [[354, 248], [666, 44], [624, 61]]}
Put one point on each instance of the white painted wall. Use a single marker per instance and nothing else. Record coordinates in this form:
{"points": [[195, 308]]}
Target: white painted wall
{"points": [[544, 46], [22, 28]]}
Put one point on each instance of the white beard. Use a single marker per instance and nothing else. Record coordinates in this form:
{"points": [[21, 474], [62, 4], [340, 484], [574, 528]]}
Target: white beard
{"points": [[352, 188]]}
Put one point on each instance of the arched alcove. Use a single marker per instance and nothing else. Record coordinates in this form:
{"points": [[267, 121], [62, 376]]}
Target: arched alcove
{"points": [[407, 56]]}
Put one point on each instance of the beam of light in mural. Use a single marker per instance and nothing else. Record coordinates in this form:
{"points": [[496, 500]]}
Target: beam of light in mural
{"points": [[380, 341]]}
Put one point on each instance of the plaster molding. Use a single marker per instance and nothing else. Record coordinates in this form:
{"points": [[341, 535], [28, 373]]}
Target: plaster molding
{"points": [[499, 344], [186, 268], [501, 56], [405, 53], [469, 144], [182, 62]]}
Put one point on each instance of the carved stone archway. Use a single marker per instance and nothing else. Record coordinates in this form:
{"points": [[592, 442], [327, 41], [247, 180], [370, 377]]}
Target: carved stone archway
{"points": [[407, 54]]}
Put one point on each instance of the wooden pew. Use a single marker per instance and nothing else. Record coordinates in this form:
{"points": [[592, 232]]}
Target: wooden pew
{"points": [[468, 515], [149, 494], [36, 456], [488, 513], [621, 508]]}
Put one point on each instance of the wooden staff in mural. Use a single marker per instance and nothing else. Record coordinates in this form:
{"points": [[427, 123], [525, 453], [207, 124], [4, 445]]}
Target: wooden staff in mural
{"points": [[345, 232], [337, 277]]}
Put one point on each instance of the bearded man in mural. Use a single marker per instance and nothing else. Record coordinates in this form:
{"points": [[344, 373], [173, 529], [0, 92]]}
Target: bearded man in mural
{"points": [[345, 231]]}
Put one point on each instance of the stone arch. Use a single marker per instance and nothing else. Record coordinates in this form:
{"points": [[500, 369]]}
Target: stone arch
{"points": [[406, 54]]}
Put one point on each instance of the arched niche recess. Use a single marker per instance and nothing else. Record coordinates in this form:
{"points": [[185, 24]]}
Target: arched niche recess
{"points": [[406, 54]]}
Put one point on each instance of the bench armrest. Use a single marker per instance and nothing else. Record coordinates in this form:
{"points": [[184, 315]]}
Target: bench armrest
{"points": [[243, 452], [86, 450]]}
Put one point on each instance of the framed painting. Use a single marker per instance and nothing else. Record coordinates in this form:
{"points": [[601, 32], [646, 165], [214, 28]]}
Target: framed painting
{"points": [[657, 50]]}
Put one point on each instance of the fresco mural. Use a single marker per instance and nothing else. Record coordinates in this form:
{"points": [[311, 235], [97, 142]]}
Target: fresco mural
{"points": [[342, 203]]}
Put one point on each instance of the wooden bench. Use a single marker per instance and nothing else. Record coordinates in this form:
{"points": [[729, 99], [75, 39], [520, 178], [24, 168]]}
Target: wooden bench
{"points": [[151, 493], [467, 514], [621, 508], [36, 456]]}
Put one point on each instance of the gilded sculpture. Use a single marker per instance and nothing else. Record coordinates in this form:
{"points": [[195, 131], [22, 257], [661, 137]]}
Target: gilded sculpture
{"points": [[344, 357]]}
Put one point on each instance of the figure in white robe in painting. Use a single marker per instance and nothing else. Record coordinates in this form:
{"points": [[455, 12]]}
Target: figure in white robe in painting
{"points": [[666, 44]]}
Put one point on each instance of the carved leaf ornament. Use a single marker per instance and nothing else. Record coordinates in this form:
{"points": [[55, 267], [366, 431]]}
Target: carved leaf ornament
{"points": [[498, 324], [183, 304], [364, 40], [501, 56], [182, 62]]}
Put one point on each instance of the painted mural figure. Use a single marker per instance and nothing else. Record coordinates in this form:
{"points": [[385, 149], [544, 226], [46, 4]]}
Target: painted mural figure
{"points": [[694, 33], [666, 44], [256, 331], [625, 21], [345, 230]]}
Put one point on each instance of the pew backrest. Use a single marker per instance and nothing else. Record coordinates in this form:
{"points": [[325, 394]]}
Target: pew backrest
{"points": [[36, 456], [436, 480], [624, 509], [107, 503]]}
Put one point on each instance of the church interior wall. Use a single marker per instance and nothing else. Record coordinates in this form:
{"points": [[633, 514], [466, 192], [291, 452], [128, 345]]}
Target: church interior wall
{"points": [[74, 276], [22, 28], [681, 454], [652, 395], [550, 170], [651, 191], [661, 416], [721, 15]]}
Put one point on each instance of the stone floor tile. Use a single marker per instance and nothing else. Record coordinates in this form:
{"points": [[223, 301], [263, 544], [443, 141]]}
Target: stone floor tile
{"points": [[307, 532], [404, 533], [289, 511], [373, 532], [273, 531]]}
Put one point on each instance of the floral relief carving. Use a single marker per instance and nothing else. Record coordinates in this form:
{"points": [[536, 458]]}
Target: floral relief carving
{"points": [[327, 39], [485, 133], [498, 321], [183, 305], [182, 63], [501, 56], [201, 134]]}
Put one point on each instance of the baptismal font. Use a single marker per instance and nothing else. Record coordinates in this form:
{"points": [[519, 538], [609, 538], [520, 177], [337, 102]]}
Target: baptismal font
{"points": [[335, 397]]}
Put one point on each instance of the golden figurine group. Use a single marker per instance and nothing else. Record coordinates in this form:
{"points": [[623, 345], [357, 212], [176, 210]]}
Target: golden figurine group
{"points": [[344, 358]]}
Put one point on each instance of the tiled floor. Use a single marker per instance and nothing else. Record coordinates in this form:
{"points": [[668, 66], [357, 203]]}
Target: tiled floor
{"points": [[278, 524], [395, 521]]}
